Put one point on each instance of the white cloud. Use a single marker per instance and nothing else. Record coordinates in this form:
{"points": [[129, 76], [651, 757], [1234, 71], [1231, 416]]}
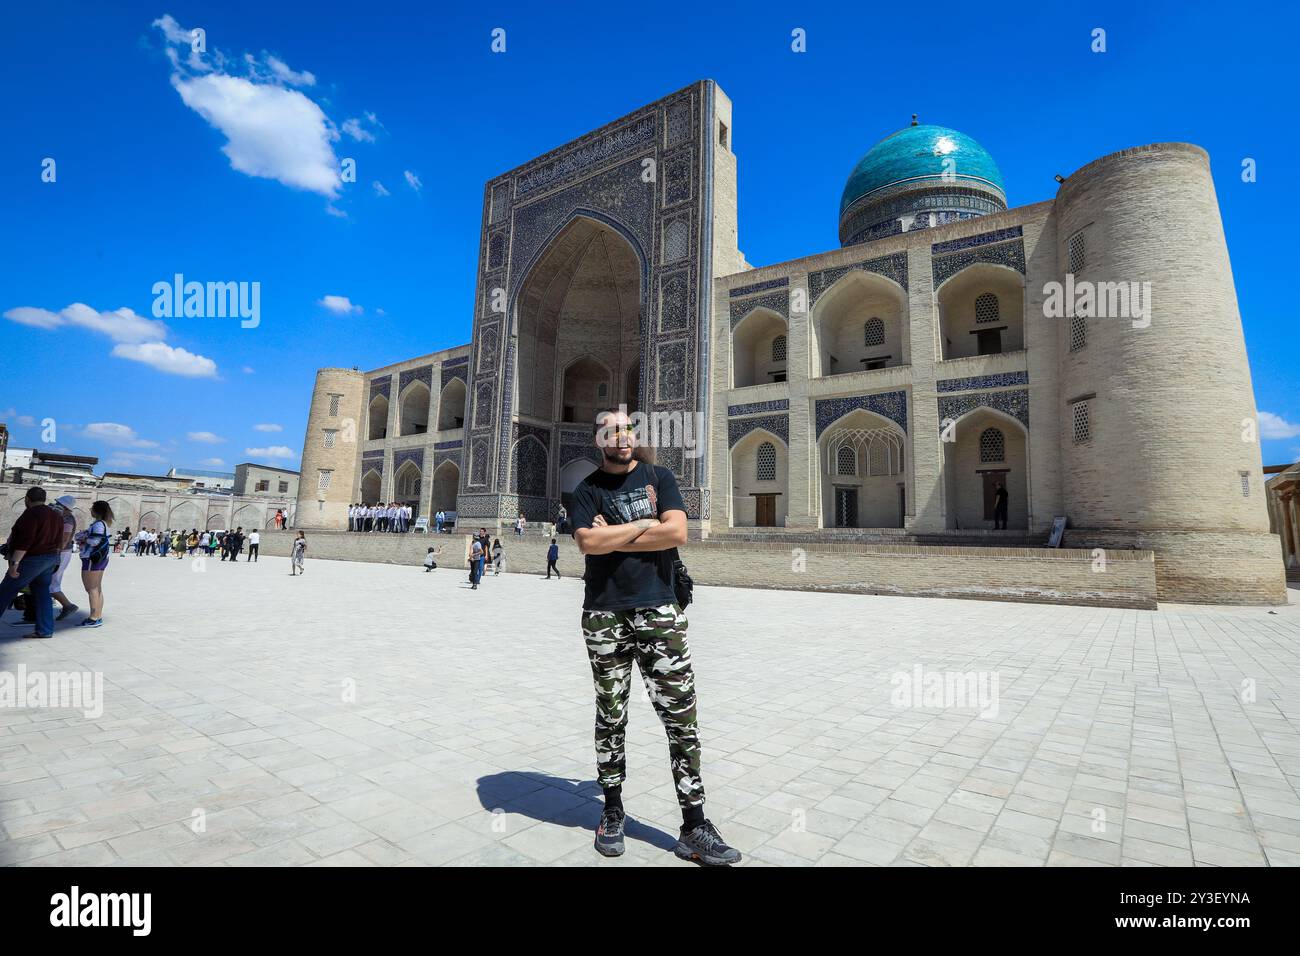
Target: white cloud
{"points": [[120, 325], [339, 304], [1273, 426], [380, 312], [248, 370], [168, 359], [130, 459], [268, 428], [352, 127], [280, 70], [274, 451], [10, 416], [116, 434], [205, 437], [413, 180], [272, 131], [211, 462], [380, 189]]}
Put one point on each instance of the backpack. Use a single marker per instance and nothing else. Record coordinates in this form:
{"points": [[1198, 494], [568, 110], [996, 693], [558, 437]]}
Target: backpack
{"points": [[100, 551]]}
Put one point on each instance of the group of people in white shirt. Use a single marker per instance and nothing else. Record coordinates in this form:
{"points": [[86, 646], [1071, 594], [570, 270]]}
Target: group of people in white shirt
{"points": [[390, 517]]}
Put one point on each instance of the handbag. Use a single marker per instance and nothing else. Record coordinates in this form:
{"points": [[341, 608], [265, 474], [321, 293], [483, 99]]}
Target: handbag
{"points": [[683, 585]]}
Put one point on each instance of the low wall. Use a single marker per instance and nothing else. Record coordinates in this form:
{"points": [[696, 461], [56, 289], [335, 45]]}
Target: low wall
{"points": [[159, 509], [1039, 575]]}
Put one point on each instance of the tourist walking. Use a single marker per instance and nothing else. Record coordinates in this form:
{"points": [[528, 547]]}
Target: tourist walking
{"points": [[552, 555], [999, 507], [438, 521], [64, 505], [498, 555], [94, 561], [33, 554], [298, 556], [520, 524], [628, 519], [475, 562], [254, 541]]}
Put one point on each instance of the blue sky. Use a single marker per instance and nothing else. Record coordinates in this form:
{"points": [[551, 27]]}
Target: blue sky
{"points": [[143, 189]]}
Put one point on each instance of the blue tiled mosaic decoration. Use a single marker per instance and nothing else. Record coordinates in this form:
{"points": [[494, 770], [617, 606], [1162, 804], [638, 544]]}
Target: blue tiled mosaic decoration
{"points": [[1014, 403], [755, 408], [759, 287], [381, 386], [1011, 254], [891, 267], [1001, 380], [983, 239], [738, 428], [778, 302], [422, 374], [402, 455], [891, 405]]}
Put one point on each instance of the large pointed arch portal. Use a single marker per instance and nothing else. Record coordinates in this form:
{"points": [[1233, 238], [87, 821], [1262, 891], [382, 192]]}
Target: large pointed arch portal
{"points": [[596, 260]]}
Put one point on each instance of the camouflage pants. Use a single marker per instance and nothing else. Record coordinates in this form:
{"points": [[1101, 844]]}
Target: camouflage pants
{"points": [[656, 638]]}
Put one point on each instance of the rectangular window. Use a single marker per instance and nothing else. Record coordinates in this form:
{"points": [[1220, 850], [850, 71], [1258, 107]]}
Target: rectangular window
{"points": [[323, 479], [263, 486], [1078, 333], [722, 134], [1245, 484], [1082, 427], [990, 341], [1076, 253], [334, 405], [330, 435], [778, 376], [284, 487]]}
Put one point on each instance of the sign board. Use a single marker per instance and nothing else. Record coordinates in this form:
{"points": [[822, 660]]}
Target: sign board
{"points": [[1058, 529], [422, 524]]}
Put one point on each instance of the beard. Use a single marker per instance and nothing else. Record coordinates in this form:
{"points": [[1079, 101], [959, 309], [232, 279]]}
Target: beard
{"points": [[618, 456]]}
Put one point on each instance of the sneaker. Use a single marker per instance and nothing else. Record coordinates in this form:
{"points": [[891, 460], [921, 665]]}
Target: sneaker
{"points": [[704, 845], [66, 611], [609, 832], [92, 622]]}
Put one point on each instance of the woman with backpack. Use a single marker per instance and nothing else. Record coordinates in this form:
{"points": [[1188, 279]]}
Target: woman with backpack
{"points": [[95, 546]]}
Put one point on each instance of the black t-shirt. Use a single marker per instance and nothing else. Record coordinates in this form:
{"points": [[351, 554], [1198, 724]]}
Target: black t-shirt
{"points": [[627, 579]]}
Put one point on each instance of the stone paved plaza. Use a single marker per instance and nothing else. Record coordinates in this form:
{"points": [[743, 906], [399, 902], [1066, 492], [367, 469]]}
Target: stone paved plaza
{"points": [[375, 715]]}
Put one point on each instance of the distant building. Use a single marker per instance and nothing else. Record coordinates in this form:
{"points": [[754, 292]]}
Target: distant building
{"points": [[153, 482], [253, 479], [29, 465], [206, 480]]}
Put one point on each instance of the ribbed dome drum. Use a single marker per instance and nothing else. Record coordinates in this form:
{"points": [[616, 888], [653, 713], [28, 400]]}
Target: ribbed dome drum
{"points": [[918, 177]]}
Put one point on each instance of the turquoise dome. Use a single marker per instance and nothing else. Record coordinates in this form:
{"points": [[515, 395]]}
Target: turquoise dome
{"points": [[916, 154]]}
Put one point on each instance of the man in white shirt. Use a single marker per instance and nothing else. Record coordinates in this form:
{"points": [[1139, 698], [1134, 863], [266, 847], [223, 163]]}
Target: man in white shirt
{"points": [[254, 539]]}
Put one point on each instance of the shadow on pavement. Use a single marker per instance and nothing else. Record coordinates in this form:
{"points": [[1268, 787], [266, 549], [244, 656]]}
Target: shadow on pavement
{"points": [[559, 800]]}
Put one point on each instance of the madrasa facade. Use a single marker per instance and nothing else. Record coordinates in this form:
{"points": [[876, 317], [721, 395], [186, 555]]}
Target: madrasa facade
{"points": [[1084, 354]]}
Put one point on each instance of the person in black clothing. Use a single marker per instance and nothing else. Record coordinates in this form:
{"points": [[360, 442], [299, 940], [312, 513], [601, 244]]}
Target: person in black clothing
{"points": [[552, 555], [999, 507], [628, 517]]}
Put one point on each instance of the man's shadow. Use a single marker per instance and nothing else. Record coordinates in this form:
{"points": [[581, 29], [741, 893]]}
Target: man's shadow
{"points": [[559, 800]]}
